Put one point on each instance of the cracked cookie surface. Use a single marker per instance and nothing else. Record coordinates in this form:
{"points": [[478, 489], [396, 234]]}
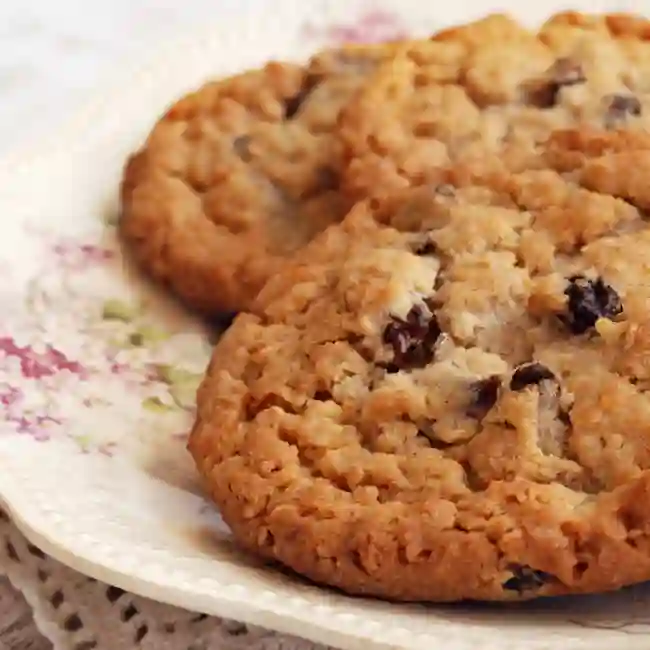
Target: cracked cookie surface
{"points": [[493, 88], [238, 175], [445, 397]]}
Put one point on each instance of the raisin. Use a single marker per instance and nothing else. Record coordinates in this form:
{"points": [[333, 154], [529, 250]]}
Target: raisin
{"points": [[427, 248], [241, 145], [412, 339], [485, 394], [564, 72], [525, 578], [619, 108], [589, 300], [530, 374], [292, 104], [328, 179]]}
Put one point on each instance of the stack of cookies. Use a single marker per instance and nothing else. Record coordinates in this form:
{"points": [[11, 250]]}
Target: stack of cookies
{"points": [[437, 386]]}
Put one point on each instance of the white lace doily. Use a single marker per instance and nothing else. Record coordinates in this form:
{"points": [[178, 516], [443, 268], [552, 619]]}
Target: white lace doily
{"points": [[78, 613]]}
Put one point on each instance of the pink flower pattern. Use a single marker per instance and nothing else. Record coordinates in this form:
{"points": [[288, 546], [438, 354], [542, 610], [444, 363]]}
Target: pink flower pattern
{"points": [[38, 373], [37, 365], [13, 414], [75, 255], [374, 26]]}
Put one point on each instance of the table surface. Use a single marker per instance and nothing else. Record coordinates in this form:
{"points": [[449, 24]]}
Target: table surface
{"points": [[52, 56]]}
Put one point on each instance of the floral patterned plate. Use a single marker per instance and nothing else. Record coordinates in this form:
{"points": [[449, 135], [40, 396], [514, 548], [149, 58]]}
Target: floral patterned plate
{"points": [[98, 370]]}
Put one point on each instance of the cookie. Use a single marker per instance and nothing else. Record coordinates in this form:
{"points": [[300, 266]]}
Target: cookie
{"points": [[493, 88], [238, 175], [445, 397]]}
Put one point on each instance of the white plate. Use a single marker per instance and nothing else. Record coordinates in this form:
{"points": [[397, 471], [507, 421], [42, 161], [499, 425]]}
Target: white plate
{"points": [[92, 460]]}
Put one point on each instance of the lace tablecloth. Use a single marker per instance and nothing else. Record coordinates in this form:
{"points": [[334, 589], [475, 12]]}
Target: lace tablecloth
{"points": [[78, 613]]}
